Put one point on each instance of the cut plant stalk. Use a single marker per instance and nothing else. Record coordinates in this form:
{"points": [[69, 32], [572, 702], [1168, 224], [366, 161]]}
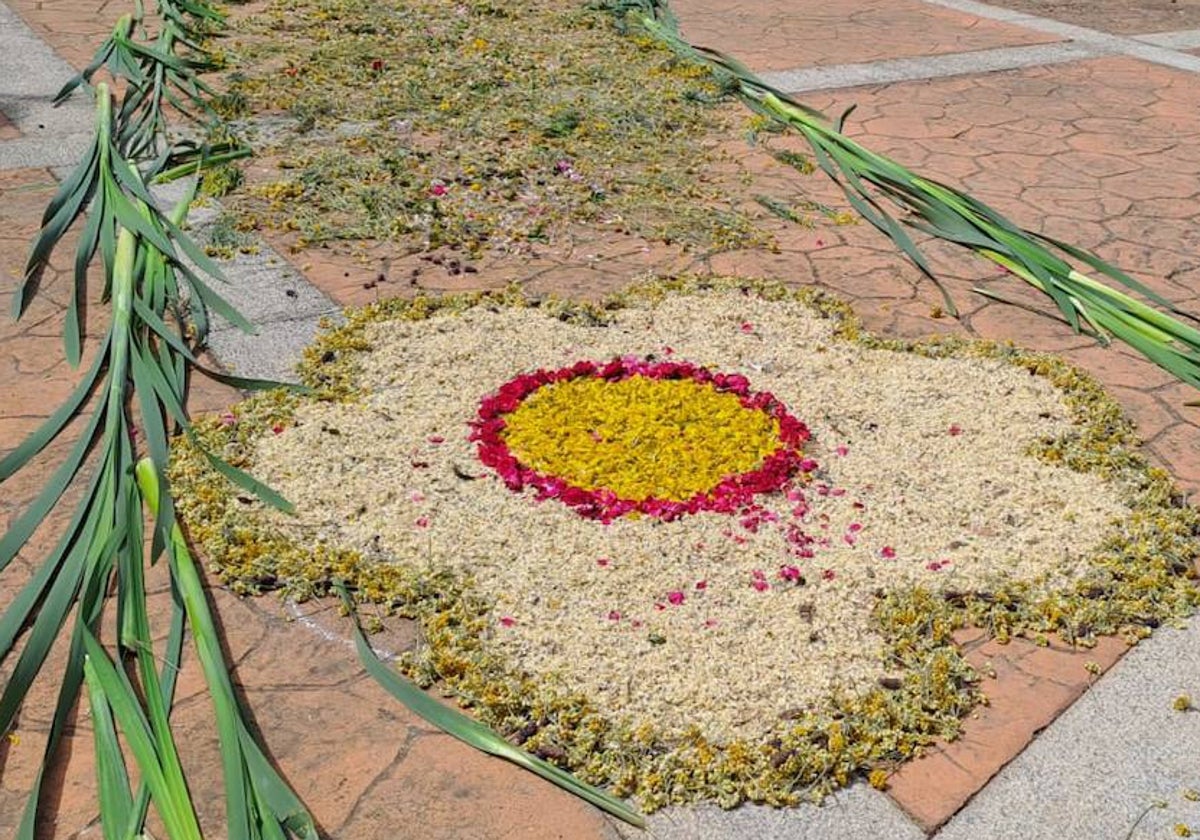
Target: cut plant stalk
{"points": [[141, 360], [943, 212]]}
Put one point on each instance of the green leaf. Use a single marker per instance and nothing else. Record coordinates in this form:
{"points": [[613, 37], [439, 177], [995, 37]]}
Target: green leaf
{"points": [[54, 424], [20, 530], [103, 677], [246, 481], [473, 733], [112, 779]]}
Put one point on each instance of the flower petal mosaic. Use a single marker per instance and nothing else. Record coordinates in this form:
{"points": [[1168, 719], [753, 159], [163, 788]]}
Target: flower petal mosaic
{"points": [[636, 436], [710, 542]]}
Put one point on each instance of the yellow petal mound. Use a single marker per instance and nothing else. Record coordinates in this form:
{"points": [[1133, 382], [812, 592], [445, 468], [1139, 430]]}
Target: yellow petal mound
{"points": [[640, 437]]}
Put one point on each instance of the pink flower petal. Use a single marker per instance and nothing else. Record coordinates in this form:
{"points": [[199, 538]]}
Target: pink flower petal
{"points": [[675, 598], [507, 621]]}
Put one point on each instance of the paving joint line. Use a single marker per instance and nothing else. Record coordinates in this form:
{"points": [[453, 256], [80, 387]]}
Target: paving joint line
{"points": [[1147, 48], [1081, 43]]}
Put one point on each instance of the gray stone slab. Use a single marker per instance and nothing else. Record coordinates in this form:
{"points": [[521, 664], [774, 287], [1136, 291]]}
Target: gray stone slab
{"points": [[30, 75], [266, 290], [1119, 752], [927, 67], [271, 353], [262, 285], [856, 813], [1182, 39]]}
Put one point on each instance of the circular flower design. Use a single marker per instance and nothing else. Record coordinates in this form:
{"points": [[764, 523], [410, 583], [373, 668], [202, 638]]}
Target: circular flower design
{"points": [[638, 436], [760, 654]]}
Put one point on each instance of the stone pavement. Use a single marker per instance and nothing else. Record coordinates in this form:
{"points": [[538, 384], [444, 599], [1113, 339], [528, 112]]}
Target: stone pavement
{"points": [[1079, 119]]}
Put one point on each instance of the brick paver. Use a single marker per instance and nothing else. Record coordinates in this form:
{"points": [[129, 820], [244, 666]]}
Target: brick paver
{"points": [[1103, 152]]}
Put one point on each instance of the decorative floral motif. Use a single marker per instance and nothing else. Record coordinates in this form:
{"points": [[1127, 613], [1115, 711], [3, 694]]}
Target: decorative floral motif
{"points": [[632, 435]]}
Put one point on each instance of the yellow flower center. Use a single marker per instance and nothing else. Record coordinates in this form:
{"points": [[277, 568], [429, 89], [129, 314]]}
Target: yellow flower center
{"points": [[640, 437]]}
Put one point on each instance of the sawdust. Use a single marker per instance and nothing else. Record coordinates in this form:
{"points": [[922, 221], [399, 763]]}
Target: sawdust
{"points": [[710, 620]]}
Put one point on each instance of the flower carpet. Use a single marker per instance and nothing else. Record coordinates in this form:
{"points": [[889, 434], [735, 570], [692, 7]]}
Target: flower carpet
{"points": [[707, 541]]}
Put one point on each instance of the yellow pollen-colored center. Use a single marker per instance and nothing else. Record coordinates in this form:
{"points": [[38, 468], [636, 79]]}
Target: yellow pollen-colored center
{"points": [[639, 437]]}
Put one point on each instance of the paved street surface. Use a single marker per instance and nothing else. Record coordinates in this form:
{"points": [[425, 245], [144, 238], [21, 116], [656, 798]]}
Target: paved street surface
{"points": [[1078, 119]]}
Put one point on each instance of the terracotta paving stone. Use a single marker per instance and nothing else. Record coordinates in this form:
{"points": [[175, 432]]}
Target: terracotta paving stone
{"points": [[803, 33], [1031, 687], [8, 131]]}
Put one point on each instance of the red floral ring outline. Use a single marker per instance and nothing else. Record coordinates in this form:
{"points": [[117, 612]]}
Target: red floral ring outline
{"points": [[730, 494]]}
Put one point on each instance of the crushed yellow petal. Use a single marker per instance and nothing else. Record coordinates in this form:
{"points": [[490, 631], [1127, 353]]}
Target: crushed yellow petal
{"points": [[640, 437]]}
